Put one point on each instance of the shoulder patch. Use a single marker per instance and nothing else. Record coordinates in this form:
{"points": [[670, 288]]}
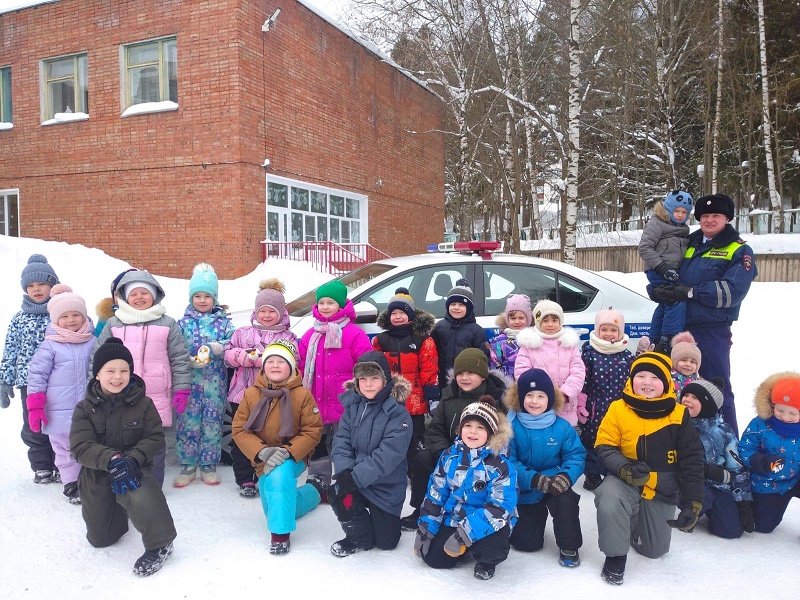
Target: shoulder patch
{"points": [[747, 261]]}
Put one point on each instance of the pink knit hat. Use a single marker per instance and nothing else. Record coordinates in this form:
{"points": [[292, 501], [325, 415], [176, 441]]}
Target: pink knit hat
{"points": [[610, 316], [522, 303], [64, 300], [270, 293], [684, 346]]}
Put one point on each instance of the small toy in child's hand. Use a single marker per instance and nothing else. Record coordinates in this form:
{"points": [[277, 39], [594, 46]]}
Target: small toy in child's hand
{"points": [[203, 355], [252, 353]]}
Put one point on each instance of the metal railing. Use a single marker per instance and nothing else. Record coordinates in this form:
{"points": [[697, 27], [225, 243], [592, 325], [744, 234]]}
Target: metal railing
{"points": [[330, 257]]}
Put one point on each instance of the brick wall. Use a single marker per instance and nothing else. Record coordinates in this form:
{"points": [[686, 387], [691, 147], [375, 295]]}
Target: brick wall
{"points": [[166, 190]]}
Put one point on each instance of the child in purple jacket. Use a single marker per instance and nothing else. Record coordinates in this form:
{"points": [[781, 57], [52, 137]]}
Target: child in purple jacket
{"points": [[57, 379], [270, 323], [503, 348], [328, 353]]}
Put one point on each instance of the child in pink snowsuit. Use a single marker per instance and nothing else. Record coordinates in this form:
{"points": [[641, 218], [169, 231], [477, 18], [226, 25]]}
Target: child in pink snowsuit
{"points": [[557, 351]]}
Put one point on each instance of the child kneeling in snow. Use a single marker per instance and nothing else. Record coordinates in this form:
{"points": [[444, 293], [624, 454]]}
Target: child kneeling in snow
{"points": [[277, 426], [472, 497], [116, 433], [369, 457]]}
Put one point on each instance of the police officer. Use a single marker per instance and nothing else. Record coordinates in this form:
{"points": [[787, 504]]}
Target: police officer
{"points": [[715, 276]]}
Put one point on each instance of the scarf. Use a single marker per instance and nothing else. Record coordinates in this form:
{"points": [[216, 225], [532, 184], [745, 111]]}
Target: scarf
{"points": [[84, 333], [332, 330], [604, 347], [132, 316], [34, 308], [648, 408], [511, 333], [529, 421], [401, 331], [784, 430], [258, 416]]}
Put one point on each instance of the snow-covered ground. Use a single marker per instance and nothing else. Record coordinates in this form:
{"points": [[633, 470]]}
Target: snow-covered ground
{"points": [[222, 544]]}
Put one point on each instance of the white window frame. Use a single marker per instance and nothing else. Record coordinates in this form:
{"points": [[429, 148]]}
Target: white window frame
{"points": [[80, 78], [5, 96], [4, 200], [284, 214], [163, 103]]}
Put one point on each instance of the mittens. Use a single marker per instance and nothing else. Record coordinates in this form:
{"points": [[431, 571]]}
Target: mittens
{"points": [[180, 400], [559, 484], [766, 463], [688, 516], [745, 508], [36, 414], [635, 473], [216, 348], [343, 483], [457, 543], [422, 542], [6, 393]]}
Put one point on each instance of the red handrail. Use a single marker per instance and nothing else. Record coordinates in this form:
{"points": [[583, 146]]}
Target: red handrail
{"points": [[329, 257]]}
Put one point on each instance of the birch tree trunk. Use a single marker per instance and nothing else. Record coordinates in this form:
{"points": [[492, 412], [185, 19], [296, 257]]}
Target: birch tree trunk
{"points": [[718, 110], [774, 198], [570, 207]]}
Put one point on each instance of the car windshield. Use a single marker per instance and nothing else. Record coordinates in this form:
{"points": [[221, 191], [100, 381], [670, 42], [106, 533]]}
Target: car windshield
{"points": [[299, 307]]}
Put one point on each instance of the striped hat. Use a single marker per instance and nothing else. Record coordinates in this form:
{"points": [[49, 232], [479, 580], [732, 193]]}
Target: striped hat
{"points": [[482, 411], [657, 364]]}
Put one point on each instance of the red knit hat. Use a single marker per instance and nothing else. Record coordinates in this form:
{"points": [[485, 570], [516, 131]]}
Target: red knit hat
{"points": [[787, 392]]}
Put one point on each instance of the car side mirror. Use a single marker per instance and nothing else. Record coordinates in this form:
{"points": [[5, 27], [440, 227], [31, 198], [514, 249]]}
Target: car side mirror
{"points": [[366, 312]]}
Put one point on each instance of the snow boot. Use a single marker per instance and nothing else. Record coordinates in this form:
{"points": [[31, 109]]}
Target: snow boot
{"points": [[185, 477], [483, 571], [248, 490], [592, 482], [410, 522], [279, 544], [209, 475], [56, 476], [43, 476], [568, 558], [319, 485], [614, 569], [152, 560], [346, 547]]}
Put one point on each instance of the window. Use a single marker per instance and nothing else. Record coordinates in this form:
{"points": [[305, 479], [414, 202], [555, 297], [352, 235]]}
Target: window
{"points": [[9, 212], [500, 280], [5, 95], [151, 72], [65, 85], [300, 212]]}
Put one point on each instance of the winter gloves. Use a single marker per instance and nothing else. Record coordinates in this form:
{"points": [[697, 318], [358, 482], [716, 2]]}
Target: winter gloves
{"points": [[667, 273], [272, 457], [343, 493], [635, 473], [669, 293], [36, 414], [766, 463], [6, 393], [718, 474], [125, 474], [422, 543], [242, 358], [746, 515], [555, 485], [457, 543], [688, 516], [216, 348], [344, 484], [180, 400]]}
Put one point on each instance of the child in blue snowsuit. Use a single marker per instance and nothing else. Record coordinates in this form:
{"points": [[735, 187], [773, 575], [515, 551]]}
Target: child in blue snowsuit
{"points": [[770, 447], [728, 499], [549, 459], [472, 495], [206, 328], [25, 333]]}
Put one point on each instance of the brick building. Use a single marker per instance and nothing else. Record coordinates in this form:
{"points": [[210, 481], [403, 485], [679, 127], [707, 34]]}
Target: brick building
{"points": [[142, 128]]}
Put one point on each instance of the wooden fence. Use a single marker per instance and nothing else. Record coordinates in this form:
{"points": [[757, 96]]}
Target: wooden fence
{"points": [[771, 267]]}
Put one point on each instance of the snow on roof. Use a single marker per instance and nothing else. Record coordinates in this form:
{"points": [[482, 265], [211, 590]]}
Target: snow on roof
{"points": [[12, 5]]}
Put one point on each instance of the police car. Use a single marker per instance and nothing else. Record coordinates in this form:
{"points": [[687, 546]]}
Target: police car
{"points": [[492, 276]]}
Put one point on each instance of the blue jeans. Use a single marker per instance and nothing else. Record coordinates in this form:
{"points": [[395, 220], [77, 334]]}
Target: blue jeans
{"points": [[283, 502], [668, 319]]}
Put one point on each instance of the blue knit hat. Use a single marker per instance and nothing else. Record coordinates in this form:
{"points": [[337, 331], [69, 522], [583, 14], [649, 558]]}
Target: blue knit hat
{"points": [[204, 279], [678, 199], [535, 380], [38, 270]]}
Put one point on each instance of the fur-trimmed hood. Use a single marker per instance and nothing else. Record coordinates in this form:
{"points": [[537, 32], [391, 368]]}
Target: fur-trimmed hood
{"points": [[500, 440], [660, 212], [105, 309], [421, 326], [400, 391], [530, 337], [511, 399], [501, 321], [763, 397]]}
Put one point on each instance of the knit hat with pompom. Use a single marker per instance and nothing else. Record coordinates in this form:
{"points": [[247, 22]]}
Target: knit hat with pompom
{"points": [[38, 270], [271, 294], [684, 346], [64, 300]]}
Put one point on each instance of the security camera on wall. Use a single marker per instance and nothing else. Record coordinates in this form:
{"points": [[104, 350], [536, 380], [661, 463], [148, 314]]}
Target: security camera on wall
{"points": [[271, 21]]}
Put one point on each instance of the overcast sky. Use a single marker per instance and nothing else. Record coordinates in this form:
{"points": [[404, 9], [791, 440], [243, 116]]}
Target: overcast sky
{"points": [[332, 7]]}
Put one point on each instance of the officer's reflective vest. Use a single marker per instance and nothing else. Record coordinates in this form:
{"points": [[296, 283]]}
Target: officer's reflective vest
{"points": [[724, 253]]}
